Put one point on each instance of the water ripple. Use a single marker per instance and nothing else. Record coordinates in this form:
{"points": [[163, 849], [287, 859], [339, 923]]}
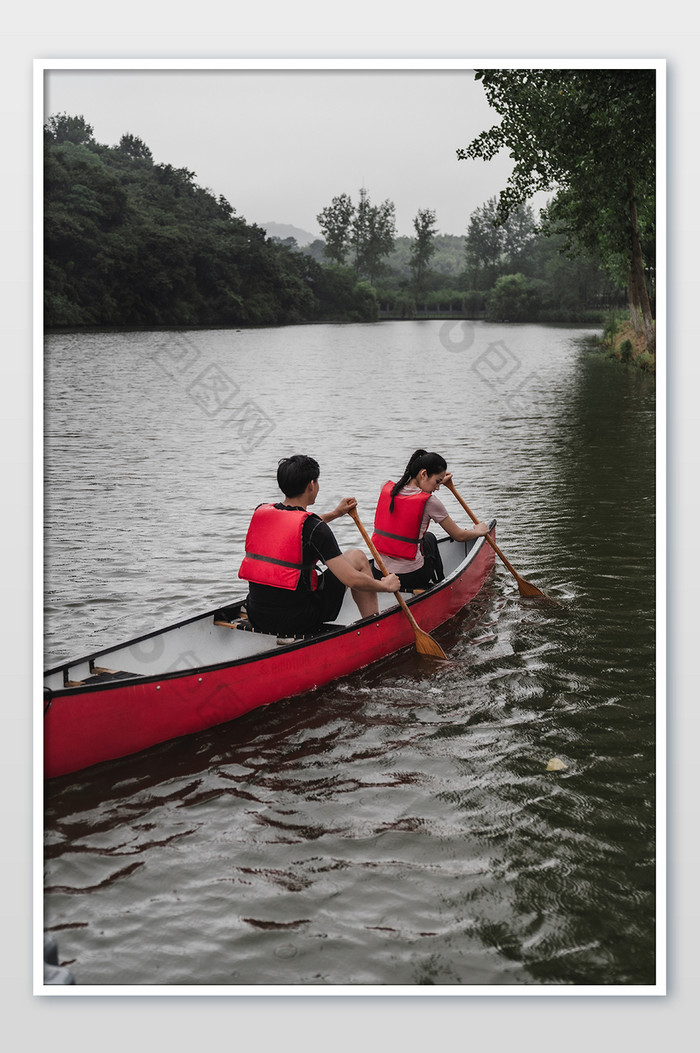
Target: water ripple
{"points": [[399, 826]]}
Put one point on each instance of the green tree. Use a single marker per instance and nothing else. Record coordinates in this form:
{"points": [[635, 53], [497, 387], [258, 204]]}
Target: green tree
{"points": [[483, 249], [372, 234], [335, 220], [518, 236], [589, 135], [61, 128], [496, 246], [135, 148], [515, 298], [423, 248]]}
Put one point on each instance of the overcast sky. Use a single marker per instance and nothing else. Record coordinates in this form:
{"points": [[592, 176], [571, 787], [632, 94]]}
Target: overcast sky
{"points": [[280, 144]]}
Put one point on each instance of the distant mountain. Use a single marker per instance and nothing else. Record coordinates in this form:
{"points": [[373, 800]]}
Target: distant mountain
{"points": [[286, 230]]}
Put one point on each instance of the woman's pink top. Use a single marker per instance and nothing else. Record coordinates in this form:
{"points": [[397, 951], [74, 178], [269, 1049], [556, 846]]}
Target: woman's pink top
{"points": [[435, 510]]}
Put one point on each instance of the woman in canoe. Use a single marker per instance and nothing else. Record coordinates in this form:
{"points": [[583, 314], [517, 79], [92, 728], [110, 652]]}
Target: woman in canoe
{"points": [[404, 512], [287, 594]]}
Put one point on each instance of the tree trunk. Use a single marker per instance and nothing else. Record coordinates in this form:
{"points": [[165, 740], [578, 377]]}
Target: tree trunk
{"points": [[637, 276], [633, 297]]}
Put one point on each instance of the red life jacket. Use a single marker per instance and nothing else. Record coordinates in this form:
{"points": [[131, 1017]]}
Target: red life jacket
{"points": [[273, 548], [397, 533]]}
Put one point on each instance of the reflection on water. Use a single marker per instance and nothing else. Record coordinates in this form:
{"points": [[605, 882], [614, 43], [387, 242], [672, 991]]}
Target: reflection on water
{"points": [[398, 827]]}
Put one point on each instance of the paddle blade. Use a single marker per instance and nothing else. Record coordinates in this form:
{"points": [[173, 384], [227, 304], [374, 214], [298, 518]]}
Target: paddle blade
{"points": [[426, 645], [526, 588]]}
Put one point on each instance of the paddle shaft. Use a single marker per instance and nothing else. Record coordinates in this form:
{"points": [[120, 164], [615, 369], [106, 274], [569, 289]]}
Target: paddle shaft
{"points": [[474, 519], [378, 560], [526, 587], [424, 641]]}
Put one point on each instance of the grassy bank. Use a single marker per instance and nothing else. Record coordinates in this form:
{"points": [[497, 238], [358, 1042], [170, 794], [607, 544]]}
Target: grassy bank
{"points": [[623, 343]]}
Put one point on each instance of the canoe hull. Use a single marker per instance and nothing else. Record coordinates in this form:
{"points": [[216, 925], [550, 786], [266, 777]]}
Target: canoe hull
{"points": [[83, 727]]}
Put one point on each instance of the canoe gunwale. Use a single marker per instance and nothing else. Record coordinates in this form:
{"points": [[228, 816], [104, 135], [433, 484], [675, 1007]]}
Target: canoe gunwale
{"points": [[472, 549], [124, 713]]}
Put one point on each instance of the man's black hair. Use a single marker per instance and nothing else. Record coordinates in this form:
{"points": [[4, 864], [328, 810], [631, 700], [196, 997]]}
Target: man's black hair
{"points": [[295, 473]]}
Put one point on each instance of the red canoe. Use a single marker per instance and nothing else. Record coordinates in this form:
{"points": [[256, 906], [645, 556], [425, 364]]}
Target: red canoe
{"points": [[202, 671]]}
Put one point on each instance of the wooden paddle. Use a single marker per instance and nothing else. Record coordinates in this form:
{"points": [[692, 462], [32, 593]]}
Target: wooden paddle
{"points": [[526, 587], [424, 642]]}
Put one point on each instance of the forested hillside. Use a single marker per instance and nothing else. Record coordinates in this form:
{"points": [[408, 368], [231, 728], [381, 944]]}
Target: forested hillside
{"points": [[133, 243]]}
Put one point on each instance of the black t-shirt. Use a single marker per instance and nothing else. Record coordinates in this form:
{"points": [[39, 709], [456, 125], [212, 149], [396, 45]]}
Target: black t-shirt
{"points": [[291, 608]]}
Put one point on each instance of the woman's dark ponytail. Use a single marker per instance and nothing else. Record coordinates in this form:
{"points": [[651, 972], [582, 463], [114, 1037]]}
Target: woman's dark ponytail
{"points": [[432, 462]]}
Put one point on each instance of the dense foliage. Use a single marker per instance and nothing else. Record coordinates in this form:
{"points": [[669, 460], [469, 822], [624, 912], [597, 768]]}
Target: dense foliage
{"points": [[467, 275], [590, 136], [365, 232], [133, 243], [423, 247]]}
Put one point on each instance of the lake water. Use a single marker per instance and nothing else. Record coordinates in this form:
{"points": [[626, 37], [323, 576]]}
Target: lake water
{"points": [[398, 827]]}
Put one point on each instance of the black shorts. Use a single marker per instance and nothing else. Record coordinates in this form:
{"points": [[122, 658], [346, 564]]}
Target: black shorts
{"points": [[431, 571], [295, 613], [330, 595]]}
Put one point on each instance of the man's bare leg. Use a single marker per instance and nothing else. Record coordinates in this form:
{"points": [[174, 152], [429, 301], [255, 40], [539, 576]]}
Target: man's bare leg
{"points": [[367, 603]]}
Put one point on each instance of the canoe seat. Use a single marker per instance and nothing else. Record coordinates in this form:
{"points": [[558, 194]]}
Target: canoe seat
{"points": [[234, 623], [327, 627], [100, 675], [242, 622], [233, 618]]}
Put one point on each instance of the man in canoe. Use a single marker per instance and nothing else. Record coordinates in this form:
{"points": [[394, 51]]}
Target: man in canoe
{"points": [[404, 512], [287, 594]]}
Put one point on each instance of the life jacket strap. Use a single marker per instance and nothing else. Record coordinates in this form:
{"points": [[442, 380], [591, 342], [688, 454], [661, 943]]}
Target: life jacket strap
{"points": [[279, 562], [398, 537]]}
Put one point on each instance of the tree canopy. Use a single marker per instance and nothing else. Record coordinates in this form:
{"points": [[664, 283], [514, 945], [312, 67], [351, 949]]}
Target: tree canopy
{"points": [[495, 245], [366, 231], [423, 247], [589, 136], [132, 243]]}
